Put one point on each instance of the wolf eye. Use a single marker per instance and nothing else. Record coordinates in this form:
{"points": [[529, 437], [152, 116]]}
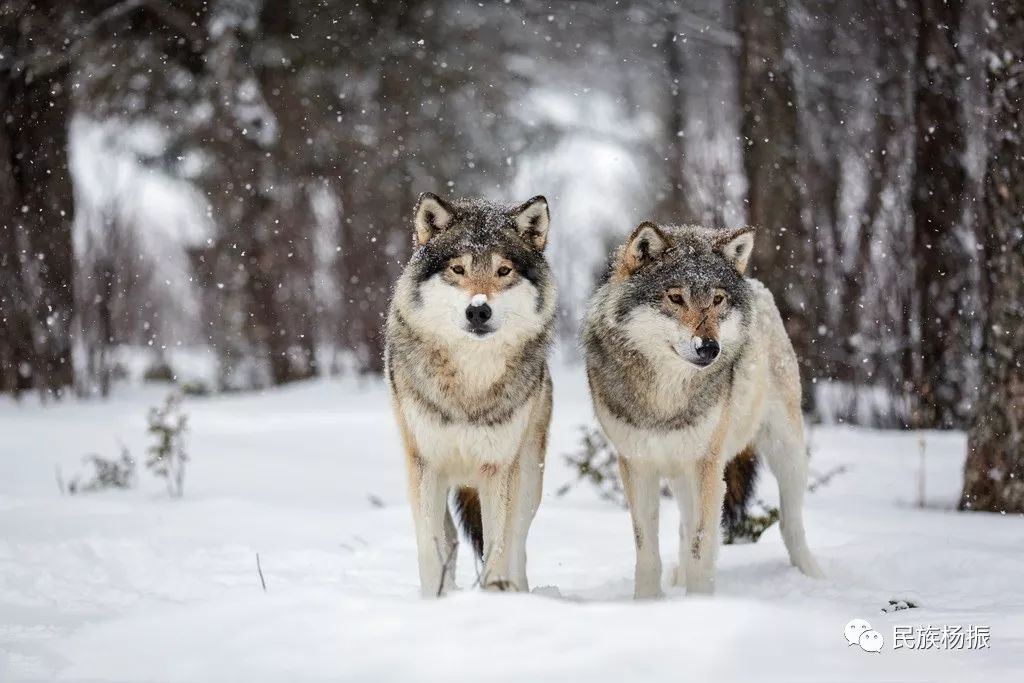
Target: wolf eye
{"points": [[458, 270], [719, 298], [503, 271], [677, 299]]}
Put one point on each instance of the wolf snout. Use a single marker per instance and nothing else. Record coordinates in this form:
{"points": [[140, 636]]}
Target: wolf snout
{"points": [[707, 350], [478, 316]]}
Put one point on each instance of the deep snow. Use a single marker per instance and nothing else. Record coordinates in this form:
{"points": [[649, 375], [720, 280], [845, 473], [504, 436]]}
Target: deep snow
{"points": [[128, 586]]}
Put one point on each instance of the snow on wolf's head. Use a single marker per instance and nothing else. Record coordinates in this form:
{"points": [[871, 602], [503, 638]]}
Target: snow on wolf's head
{"points": [[478, 272], [682, 288]]}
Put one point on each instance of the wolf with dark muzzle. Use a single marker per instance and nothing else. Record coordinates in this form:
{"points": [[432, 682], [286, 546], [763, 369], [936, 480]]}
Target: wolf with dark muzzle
{"points": [[689, 365], [468, 334]]}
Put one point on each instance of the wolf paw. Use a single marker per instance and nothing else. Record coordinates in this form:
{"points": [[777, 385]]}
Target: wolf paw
{"points": [[647, 590], [500, 585], [648, 594], [809, 566]]}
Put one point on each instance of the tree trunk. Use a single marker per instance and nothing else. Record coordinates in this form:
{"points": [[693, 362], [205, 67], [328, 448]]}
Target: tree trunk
{"points": [[674, 200], [937, 202], [994, 472], [374, 242], [38, 209], [284, 282], [869, 358], [16, 351], [782, 255]]}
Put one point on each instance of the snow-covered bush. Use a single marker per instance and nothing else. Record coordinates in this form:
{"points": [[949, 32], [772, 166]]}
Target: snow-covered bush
{"points": [[167, 457], [107, 474], [160, 371], [595, 463]]}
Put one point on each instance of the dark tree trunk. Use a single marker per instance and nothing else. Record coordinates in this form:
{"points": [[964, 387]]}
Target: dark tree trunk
{"points": [[782, 256], [378, 219], [106, 274], [37, 207], [874, 365], [674, 201], [937, 202], [994, 473], [16, 348], [284, 294], [365, 270]]}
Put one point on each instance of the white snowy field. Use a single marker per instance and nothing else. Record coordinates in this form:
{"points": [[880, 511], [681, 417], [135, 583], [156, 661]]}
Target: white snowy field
{"points": [[131, 586]]}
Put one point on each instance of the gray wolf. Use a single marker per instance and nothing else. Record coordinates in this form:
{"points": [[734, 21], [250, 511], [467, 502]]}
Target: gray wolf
{"points": [[689, 365], [468, 333]]}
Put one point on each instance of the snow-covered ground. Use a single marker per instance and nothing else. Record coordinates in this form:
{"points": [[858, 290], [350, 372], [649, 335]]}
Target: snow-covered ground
{"points": [[131, 586]]}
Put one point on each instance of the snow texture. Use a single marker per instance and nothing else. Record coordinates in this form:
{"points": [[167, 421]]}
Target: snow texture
{"points": [[129, 586]]}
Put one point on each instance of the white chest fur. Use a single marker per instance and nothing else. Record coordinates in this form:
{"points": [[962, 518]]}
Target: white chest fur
{"points": [[668, 450], [461, 447]]}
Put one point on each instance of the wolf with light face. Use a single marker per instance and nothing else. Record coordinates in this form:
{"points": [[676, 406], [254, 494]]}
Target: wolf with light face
{"points": [[468, 334], [689, 365]]}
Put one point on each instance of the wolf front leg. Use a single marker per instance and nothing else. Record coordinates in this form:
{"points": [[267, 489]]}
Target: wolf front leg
{"points": [[501, 504], [436, 542], [640, 481], [706, 527], [684, 490], [530, 483]]}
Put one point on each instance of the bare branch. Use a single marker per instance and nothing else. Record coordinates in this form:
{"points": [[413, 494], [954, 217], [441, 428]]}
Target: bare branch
{"points": [[823, 479], [259, 570]]}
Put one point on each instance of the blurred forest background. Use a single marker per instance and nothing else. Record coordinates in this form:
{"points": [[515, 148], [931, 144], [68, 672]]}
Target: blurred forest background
{"points": [[232, 180]]}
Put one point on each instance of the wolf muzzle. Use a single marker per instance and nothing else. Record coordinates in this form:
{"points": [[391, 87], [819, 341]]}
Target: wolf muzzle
{"points": [[707, 350], [478, 316]]}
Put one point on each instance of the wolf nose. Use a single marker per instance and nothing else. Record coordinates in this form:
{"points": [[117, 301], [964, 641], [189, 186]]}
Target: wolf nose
{"points": [[478, 315], [707, 350]]}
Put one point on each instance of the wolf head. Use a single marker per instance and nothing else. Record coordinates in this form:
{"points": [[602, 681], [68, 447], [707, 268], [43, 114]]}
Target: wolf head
{"points": [[479, 270], [682, 288]]}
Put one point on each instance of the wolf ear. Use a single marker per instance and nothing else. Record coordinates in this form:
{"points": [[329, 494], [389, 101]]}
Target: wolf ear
{"points": [[432, 215], [736, 246], [645, 245], [532, 221]]}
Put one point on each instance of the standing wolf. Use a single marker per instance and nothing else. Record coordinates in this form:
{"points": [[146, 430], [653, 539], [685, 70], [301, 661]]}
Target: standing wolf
{"points": [[468, 334], [689, 365]]}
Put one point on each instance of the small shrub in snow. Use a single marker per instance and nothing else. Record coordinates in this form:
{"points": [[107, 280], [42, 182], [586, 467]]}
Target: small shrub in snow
{"points": [[167, 457], [160, 371], [596, 464], [107, 474], [195, 388]]}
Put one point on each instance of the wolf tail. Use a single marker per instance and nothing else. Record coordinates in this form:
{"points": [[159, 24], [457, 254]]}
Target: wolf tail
{"points": [[740, 480], [467, 509]]}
